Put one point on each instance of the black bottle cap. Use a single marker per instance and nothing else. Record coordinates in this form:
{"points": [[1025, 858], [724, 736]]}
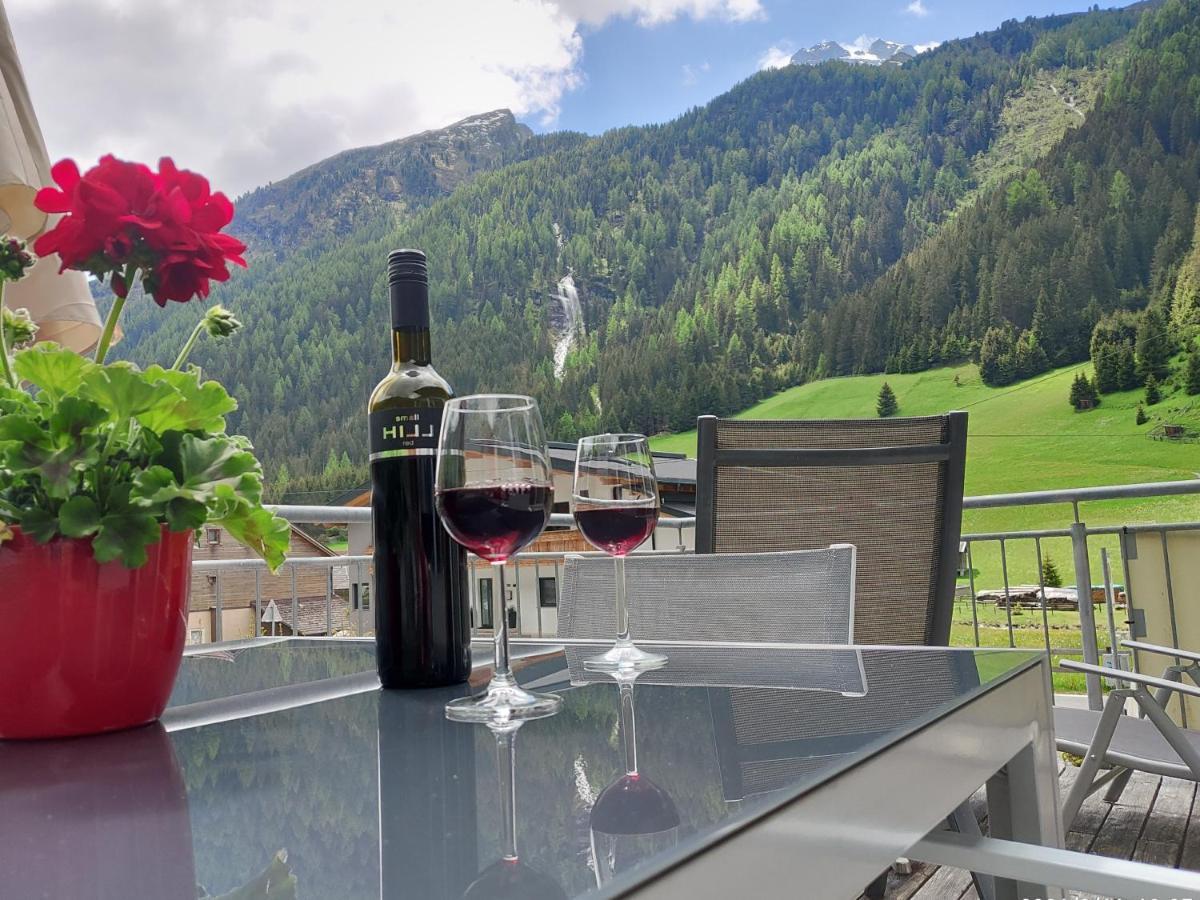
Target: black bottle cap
{"points": [[408, 289], [407, 266]]}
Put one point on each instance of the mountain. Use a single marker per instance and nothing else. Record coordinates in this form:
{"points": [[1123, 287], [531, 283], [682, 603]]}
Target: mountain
{"points": [[875, 53], [995, 198], [329, 199]]}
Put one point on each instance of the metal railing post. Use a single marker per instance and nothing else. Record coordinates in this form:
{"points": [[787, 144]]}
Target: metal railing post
{"points": [[329, 602], [1037, 543], [1007, 594], [537, 580], [295, 604], [257, 602], [1087, 615], [219, 618], [971, 578]]}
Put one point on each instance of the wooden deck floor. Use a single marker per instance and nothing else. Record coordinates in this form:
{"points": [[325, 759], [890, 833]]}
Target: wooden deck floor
{"points": [[1156, 820]]}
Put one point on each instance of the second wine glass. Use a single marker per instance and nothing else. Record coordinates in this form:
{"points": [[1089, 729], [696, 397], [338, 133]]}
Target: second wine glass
{"points": [[615, 504], [495, 491]]}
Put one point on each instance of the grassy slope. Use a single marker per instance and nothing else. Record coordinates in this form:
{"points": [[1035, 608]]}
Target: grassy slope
{"points": [[1021, 438]]}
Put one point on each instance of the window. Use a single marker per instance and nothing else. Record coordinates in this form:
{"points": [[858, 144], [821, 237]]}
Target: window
{"points": [[196, 636], [548, 592], [212, 535], [485, 603], [364, 595]]}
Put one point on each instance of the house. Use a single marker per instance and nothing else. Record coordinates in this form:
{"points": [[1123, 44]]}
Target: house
{"points": [[233, 590]]}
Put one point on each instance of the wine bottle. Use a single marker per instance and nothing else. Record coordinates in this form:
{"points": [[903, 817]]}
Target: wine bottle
{"points": [[422, 619]]}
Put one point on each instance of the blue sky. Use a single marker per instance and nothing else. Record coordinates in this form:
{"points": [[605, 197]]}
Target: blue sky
{"points": [[635, 74], [250, 92]]}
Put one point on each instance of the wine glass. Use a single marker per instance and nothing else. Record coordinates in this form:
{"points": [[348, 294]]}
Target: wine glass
{"points": [[615, 503], [633, 818], [510, 877], [494, 495]]}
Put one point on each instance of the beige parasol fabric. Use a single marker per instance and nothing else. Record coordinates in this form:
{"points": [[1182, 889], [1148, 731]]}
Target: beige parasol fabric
{"points": [[61, 305]]}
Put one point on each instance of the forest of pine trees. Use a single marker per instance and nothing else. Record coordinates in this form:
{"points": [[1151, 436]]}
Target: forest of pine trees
{"points": [[813, 221]]}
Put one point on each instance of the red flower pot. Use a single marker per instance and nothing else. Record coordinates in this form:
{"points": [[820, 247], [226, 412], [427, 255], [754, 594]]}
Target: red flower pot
{"points": [[87, 647]]}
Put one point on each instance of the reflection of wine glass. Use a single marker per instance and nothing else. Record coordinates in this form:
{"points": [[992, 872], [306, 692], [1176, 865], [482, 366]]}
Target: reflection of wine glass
{"points": [[633, 818], [615, 502], [509, 877], [494, 494]]}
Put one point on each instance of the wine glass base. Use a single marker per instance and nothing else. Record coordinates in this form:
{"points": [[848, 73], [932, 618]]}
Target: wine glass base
{"points": [[625, 658], [503, 703]]}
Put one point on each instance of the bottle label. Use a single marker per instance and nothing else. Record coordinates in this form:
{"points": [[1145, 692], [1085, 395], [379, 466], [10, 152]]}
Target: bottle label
{"points": [[404, 432]]}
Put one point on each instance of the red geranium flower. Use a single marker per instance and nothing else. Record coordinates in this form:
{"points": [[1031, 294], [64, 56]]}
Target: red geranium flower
{"points": [[120, 214]]}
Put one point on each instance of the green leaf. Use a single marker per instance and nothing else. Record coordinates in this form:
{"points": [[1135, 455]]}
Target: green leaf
{"points": [[266, 534], [185, 515], [199, 406], [39, 524], [196, 466], [72, 416], [54, 369], [125, 531], [125, 392], [25, 430], [79, 517]]}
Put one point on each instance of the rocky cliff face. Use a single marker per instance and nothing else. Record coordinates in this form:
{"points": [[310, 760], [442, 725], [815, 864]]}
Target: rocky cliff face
{"points": [[327, 200]]}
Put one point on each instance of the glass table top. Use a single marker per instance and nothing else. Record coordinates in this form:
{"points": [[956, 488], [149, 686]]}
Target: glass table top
{"points": [[376, 794]]}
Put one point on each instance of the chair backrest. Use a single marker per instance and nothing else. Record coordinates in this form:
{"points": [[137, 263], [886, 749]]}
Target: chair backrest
{"points": [[891, 487], [793, 597]]}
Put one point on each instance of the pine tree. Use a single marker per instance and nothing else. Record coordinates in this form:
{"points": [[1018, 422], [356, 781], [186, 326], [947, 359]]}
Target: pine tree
{"points": [[1050, 576], [1153, 394], [1192, 383], [1153, 345], [886, 405], [1141, 417]]}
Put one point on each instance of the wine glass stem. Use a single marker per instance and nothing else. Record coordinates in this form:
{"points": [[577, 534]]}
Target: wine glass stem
{"points": [[622, 606], [502, 672], [628, 728], [506, 768]]}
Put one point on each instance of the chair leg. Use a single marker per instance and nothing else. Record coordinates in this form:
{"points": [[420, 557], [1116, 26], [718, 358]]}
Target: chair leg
{"points": [[877, 888], [964, 822], [1113, 708], [1117, 786], [1169, 730]]}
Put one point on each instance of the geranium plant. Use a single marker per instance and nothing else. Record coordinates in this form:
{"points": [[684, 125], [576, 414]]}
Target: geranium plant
{"points": [[104, 450]]}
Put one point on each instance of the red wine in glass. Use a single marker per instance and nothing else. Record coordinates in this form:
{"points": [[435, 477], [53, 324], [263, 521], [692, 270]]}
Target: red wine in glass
{"points": [[615, 528], [494, 495], [615, 503], [494, 521]]}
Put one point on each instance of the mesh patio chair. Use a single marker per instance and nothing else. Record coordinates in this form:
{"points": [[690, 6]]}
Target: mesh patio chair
{"points": [[795, 597], [891, 487], [1153, 744]]}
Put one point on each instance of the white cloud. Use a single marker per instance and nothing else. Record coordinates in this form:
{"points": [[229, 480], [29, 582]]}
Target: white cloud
{"points": [[658, 12], [917, 8], [251, 92], [775, 57], [692, 74]]}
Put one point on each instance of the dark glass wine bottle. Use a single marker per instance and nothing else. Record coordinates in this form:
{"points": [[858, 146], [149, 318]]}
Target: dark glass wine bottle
{"points": [[422, 619]]}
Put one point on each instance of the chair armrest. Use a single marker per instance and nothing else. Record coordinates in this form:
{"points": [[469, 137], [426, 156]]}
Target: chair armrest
{"points": [[1162, 651], [1130, 677]]}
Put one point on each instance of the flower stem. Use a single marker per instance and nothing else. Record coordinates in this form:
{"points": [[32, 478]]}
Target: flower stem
{"points": [[187, 348], [110, 324], [9, 378]]}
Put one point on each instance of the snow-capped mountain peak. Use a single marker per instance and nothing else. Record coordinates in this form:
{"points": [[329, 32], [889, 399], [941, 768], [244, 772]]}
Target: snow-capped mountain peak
{"points": [[865, 51]]}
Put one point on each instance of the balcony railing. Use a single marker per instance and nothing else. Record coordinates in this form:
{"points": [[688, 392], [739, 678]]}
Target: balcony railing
{"points": [[346, 605]]}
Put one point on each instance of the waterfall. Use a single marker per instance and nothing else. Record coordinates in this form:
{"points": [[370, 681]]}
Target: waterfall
{"points": [[567, 322]]}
